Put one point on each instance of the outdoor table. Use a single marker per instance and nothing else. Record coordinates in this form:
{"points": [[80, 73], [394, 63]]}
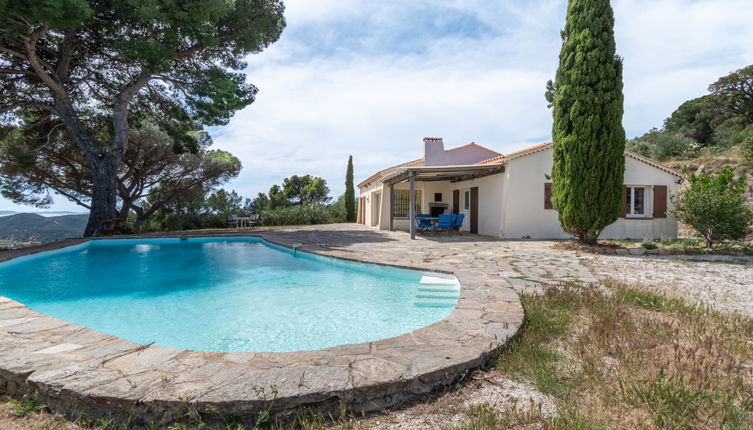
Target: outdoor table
{"points": [[243, 221]]}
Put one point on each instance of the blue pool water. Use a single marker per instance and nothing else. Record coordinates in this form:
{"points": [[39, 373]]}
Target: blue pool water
{"points": [[219, 294]]}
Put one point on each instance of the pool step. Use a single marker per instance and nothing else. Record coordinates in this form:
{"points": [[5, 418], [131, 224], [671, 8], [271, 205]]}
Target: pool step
{"points": [[435, 303], [437, 291], [438, 295], [436, 280], [439, 288]]}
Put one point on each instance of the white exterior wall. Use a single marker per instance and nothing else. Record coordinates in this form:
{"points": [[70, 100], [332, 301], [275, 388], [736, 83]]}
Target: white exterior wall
{"points": [[491, 190], [525, 216], [370, 193]]}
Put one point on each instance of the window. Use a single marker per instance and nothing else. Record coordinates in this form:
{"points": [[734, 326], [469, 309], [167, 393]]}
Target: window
{"points": [[437, 197], [636, 198], [401, 203], [467, 203]]}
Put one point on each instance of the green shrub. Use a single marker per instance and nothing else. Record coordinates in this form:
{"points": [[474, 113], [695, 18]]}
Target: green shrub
{"points": [[680, 243], [638, 146], [744, 138], [663, 145], [647, 244], [314, 213], [715, 207]]}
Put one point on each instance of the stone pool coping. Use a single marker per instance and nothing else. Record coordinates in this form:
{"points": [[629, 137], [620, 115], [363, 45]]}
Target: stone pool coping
{"points": [[76, 370]]}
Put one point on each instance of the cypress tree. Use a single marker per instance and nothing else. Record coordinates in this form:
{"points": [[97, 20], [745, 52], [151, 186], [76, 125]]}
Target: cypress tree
{"points": [[589, 140], [350, 193]]}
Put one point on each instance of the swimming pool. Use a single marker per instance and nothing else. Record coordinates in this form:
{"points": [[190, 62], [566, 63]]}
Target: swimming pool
{"points": [[226, 294]]}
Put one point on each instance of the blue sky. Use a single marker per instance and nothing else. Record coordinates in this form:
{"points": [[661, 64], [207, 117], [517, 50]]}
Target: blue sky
{"points": [[372, 79]]}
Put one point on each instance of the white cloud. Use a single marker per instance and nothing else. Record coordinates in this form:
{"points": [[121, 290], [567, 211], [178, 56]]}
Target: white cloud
{"points": [[372, 78]]}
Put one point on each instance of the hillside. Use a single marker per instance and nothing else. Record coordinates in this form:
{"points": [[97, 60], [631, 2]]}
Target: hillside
{"points": [[714, 162], [28, 227]]}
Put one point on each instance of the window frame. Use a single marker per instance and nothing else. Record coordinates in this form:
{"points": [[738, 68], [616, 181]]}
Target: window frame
{"points": [[402, 203], [630, 194], [466, 200]]}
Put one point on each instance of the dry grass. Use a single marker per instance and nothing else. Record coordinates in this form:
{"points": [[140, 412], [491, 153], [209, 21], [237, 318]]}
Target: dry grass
{"points": [[622, 357]]}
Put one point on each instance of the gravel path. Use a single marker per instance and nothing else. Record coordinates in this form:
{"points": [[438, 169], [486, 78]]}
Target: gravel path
{"points": [[725, 284]]}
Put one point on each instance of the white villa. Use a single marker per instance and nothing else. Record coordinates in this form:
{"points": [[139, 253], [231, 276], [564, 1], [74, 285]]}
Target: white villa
{"points": [[508, 196]]}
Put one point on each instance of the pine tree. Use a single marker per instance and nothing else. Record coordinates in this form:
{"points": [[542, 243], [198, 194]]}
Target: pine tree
{"points": [[350, 193], [589, 140]]}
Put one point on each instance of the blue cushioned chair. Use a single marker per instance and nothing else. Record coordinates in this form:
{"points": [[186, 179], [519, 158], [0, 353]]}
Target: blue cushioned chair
{"points": [[445, 223], [423, 223], [459, 220]]}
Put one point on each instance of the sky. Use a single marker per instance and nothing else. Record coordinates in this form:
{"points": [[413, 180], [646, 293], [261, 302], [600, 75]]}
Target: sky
{"points": [[371, 79]]}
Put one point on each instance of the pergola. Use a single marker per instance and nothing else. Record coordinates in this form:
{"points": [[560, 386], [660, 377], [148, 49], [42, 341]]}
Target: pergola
{"points": [[433, 173]]}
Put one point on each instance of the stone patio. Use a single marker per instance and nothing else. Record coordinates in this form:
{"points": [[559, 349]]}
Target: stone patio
{"points": [[79, 371]]}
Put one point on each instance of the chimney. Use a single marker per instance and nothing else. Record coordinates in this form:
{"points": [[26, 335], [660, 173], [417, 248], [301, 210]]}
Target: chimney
{"points": [[433, 151]]}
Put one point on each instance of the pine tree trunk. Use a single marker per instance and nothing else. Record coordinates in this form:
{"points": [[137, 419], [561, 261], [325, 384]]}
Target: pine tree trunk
{"points": [[125, 209], [140, 218], [104, 194]]}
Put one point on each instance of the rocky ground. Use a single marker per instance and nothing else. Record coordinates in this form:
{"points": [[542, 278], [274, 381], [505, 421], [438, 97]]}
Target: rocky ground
{"points": [[723, 283]]}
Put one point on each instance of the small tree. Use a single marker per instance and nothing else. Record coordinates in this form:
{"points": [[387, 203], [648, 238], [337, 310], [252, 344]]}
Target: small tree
{"points": [[715, 207], [305, 189], [693, 119], [350, 193], [731, 99]]}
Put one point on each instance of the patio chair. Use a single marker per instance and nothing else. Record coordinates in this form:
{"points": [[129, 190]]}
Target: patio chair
{"points": [[458, 221], [232, 221], [423, 224], [253, 220], [445, 223]]}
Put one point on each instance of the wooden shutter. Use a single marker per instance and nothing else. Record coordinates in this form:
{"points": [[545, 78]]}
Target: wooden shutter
{"points": [[456, 201], [660, 201], [624, 201], [548, 196]]}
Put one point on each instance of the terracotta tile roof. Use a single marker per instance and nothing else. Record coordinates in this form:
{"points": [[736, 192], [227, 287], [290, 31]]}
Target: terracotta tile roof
{"points": [[384, 172], [541, 146], [654, 163], [503, 158]]}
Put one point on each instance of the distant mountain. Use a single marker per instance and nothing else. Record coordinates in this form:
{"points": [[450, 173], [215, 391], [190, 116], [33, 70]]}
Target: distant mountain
{"points": [[30, 227], [43, 213]]}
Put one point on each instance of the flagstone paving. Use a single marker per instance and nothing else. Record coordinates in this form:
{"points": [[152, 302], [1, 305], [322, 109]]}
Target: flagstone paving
{"points": [[77, 370]]}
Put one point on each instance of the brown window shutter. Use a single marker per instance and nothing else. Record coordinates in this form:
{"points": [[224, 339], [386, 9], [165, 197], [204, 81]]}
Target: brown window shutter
{"points": [[660, 201], [548, 195], [623, 213], [455, 201]]}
